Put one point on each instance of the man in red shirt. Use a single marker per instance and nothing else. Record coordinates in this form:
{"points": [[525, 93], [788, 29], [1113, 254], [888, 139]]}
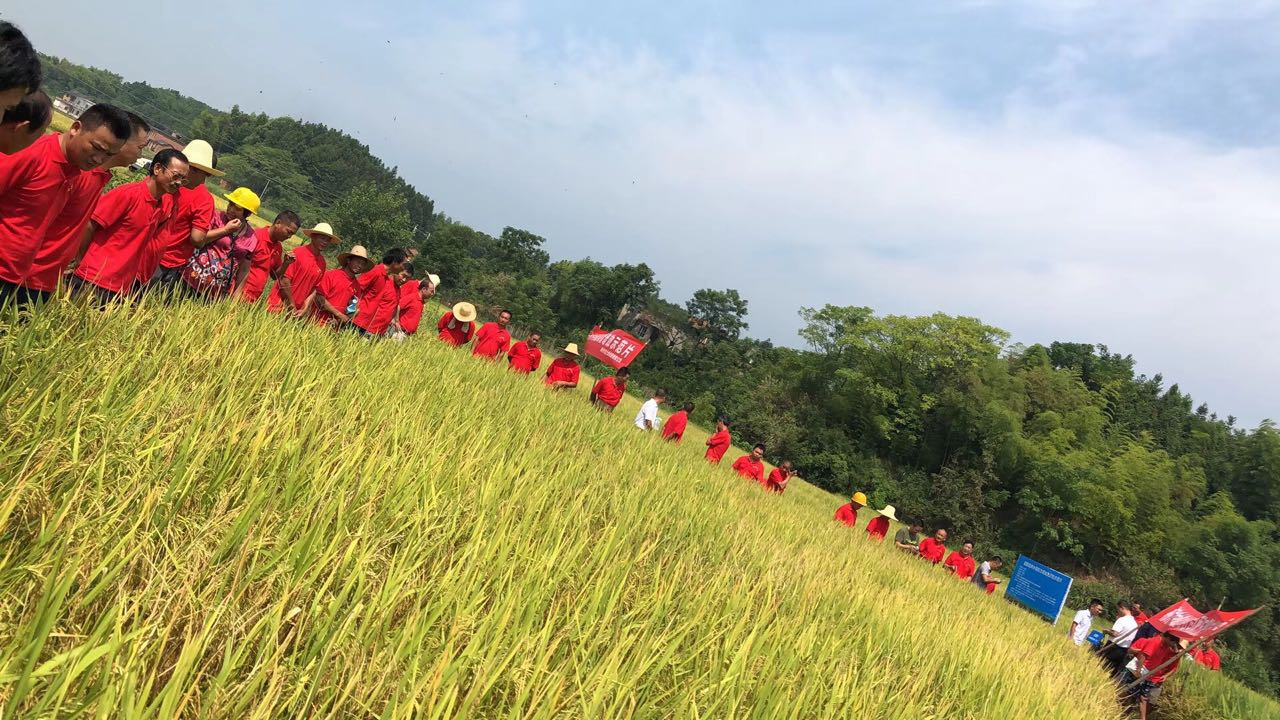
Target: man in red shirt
{"points": [[191, 219], [878, 527], [458, 325], [493, 339], [525, 357], [267, 258], [933, 548], [848, 512], [124, 225], [332, 296], [62, 240], [1153, 653], [303, 268], [25, 123], [562, 373], [608, 391], [378, 294], [779, 477], [751, 466], [673, 428], [961, 562], [413, 298], [1207, 656], [36, 182], [20, 71], [719, 442], [1139, 614]]}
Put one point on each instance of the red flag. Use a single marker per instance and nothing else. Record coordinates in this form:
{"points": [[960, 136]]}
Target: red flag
{"points": [[1190, 624], [615, 348]]}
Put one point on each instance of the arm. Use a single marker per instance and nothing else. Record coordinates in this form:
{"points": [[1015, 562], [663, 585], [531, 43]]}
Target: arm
{"points": [[324, 304], [86, 235], [217, 234], [1071, 631], [283, 283]]}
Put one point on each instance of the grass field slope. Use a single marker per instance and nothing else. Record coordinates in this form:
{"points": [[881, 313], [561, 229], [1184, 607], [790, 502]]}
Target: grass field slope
{"points": [[211, 513]]}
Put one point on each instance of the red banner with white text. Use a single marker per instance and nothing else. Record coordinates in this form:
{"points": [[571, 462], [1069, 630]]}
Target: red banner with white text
{"points": [[615, 348], [1189, 623]]}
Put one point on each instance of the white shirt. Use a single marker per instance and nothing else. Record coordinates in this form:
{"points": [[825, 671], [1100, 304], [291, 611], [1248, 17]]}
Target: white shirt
{"points": [[1084, 625], [1124, 630], [648, 411]]}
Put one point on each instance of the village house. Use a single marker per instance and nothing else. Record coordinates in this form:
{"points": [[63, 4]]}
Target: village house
{"points": [[73, 104]]}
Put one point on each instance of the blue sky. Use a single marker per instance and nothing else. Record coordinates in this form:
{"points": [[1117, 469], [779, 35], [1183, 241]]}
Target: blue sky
{"points": [[1065, 170]]}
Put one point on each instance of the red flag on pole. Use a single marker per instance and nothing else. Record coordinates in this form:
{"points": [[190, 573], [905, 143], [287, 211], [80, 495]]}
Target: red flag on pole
{"points": [[1190, 624], [615, 348]]}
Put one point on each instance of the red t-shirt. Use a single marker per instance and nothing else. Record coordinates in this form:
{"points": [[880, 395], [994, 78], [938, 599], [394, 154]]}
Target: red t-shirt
{"points": [[1154, 654], [338, 288], [1207, 658], [267, 257], [127, 219], [962, 566], [932, 550], [34, 186], [523, 358], [878, 527], [62, 238], [562, 370], [750, 468], [491, 340], [609, 391], [411, 306], [717, 445], [304, 274], [675, 425], [454, 332], [1141, 618], [194, 211], [847, 515], [379, 299]]}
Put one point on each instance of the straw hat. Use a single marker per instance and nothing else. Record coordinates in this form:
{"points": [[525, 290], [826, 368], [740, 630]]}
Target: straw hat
{"points": [[572, 349], [357, 251], [322, 229], [200, 156], [245, 198], [435, 279], [860, 498], [890, 512], [464, 312]]}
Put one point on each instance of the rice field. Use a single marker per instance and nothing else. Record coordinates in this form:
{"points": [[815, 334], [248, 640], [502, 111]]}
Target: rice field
{"points": [[214, 513], [1195, 693]]}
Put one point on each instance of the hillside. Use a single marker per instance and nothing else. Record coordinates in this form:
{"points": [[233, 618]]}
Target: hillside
{"points": [[213, 514]]}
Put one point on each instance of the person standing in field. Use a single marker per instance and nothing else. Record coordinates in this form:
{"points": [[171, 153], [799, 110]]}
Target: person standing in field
{"points": [[562, 373], [1125, 628], [493, 339], [267, 259], [123, 228], [413, 298], [62, 239], [1207, 656], [35, 185], [907, 539], [191, 218], [1082, 623], [20, 72], [220, 262], [1138, 614], [329, 300], [719, 442], [985, 578], [608, 391], [1152, 654], [848, 512], [647, 418], [458, 325], [878, 526], [378, 294], [525, 357], [673, 428], [751, 466], [961, 561], [303, 268], [933, 548], [779, 477], [23, 124]]}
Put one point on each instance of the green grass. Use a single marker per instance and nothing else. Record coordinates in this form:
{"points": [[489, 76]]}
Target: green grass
{"points": [[1194, 693], [208, 512]]}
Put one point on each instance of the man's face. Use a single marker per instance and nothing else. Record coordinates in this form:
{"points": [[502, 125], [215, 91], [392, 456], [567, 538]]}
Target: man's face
{"points": [[659, 399], [533, 340], [282, 230], [917, 528], [322, 242], [504, 318], [357, 265], [720, 426], [395, 268], [756, 453], [622, 379], [88, 149], [427, 290], [786, 467], [10, 97], [196, 177], [966, 549], [169, 179], [1095, 609], [401, 277], [1171, 642], [940, 536], [130, 151], [996, 564]]}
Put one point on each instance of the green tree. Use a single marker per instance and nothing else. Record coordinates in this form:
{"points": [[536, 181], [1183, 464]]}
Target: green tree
{"points": [[372, 217], [724, 310]]}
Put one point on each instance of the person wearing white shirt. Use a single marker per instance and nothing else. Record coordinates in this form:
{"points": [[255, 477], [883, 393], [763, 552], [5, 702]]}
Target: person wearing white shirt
{"points": [[1125, 627], [1082, 623], [647, 418]]}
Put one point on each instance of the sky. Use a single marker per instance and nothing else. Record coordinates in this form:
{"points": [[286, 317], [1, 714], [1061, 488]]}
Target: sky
{"points": [[1063, 169]]}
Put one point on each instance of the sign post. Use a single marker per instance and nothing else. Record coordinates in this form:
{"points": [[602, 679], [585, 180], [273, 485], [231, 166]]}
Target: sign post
{"points": [[1039, 588]]}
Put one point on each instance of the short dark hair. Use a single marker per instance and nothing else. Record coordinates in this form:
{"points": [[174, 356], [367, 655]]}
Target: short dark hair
{"points": [[137, 123], [997, 558], [408, 267], [288, 216], [660, 392], [723, 419], [504, 310], [966, 542], [394, 255], [624, 372], [1170, 636], [687, 407], [163, 158], [19, 63], [116, 120], [35, 108], [1124, 605], [1096, 601], [758, 445]]}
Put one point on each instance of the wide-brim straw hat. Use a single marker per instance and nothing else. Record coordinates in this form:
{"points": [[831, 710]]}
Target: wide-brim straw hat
{"points": [[890, 512], [199, 155], [572, 349], [245, 198], [434, 279], [859, 498], [358, 251], [324, 229], [464, 312]]}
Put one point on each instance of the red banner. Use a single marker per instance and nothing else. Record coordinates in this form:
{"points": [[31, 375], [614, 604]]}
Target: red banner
{"points": [[615, 348], [1189, 623]]}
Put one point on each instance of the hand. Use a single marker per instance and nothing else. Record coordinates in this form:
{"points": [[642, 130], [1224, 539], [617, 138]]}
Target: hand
{"points": [[71, 268], [296, 313], [233, 225]]}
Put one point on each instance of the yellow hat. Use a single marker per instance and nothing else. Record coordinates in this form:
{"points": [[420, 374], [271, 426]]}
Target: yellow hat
{"points": [[464, 312], [322, 229], [199, 155], [572, 349], [860, 498], [245, 198]]}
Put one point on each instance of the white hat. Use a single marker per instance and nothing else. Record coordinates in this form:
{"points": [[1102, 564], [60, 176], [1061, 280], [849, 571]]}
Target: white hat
{"points": [[322, 229], [435, 279], [199, 155]]}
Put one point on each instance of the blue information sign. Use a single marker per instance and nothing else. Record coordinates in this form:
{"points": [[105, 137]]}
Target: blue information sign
{"points": [[1038, 588]]}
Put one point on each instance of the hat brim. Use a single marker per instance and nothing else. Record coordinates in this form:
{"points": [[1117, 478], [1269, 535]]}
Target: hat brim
{"points": [[466, 317], [312, 234], [206, 169], [344, 257], [571, 352], [891, 516]]}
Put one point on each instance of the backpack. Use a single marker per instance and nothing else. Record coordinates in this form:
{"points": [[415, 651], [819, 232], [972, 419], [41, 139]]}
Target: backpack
{"points": [[210, 271]]}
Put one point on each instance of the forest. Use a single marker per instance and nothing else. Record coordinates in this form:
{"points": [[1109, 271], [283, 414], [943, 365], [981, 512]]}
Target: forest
{"points": [[1060, 450]]}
